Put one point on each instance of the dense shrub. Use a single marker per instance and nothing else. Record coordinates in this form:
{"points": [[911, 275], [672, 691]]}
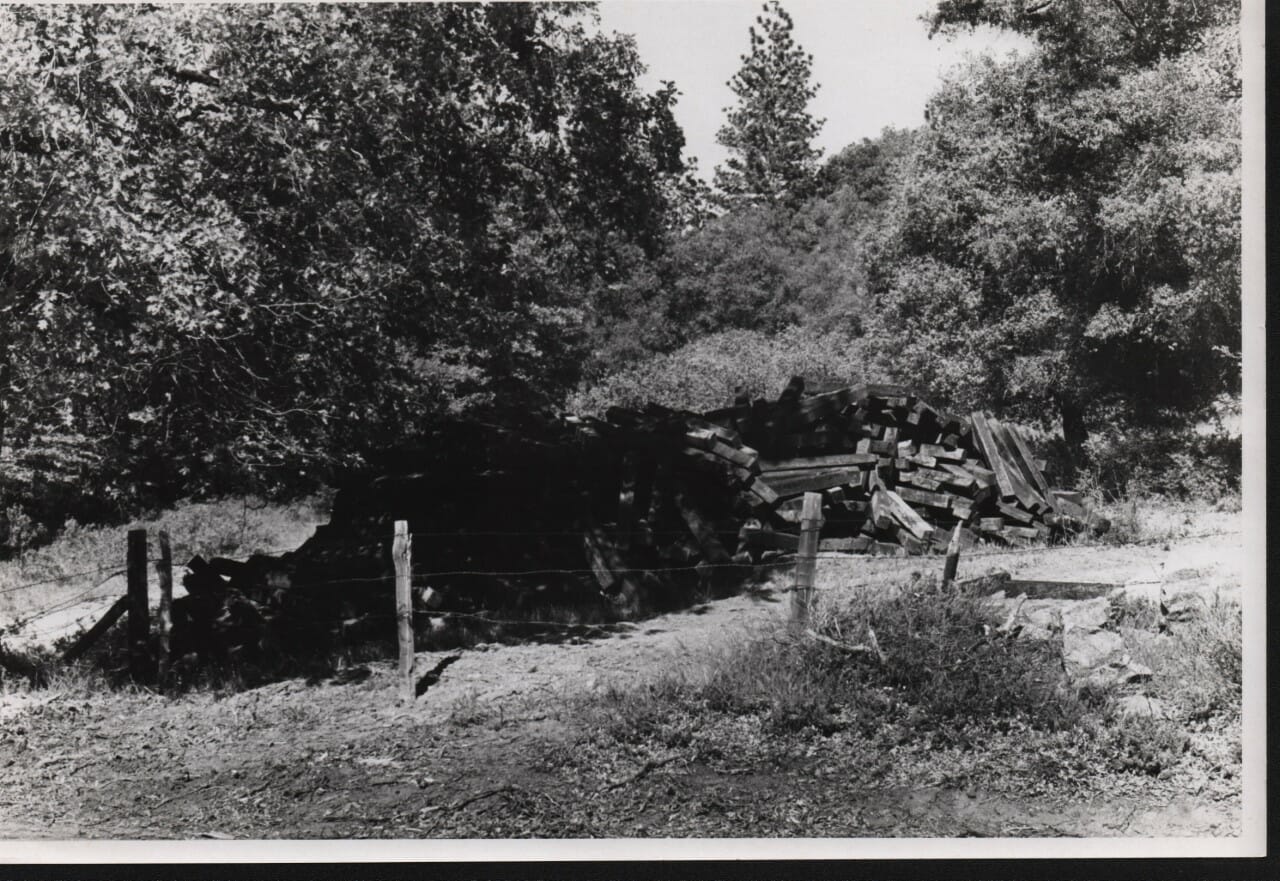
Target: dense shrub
{"points": [[707, 373]]}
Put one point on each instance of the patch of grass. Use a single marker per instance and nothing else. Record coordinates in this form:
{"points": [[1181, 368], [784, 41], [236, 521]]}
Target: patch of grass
{"points": [[944, 669], [1146, 745], [81, 558], [1196, 666], [1144, 517]]}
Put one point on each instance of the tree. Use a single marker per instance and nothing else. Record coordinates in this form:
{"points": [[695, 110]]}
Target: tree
{"points": [[261, 240], [770, 132], [1066, 239]]}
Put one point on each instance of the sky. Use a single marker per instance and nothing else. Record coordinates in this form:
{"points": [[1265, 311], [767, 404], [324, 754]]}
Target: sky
{"points": [[873, 61]]}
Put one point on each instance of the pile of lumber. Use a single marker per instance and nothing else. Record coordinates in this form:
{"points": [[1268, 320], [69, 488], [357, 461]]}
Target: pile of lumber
{"points": [[638, 511], [897, 475]]}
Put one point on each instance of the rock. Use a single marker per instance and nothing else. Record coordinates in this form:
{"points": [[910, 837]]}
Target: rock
{"points": [[1183, 606], [1097, 657], [1086, 614]]}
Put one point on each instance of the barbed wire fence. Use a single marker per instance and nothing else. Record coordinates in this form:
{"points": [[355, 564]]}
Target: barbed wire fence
{"points": [[873, 564]]}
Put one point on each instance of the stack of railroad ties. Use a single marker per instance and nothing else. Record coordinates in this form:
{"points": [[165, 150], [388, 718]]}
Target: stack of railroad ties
{"points": [[896, 474], [643, 508]]}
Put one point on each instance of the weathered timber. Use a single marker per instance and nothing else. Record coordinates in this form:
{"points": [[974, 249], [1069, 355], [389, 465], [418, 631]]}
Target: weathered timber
{"points": [[812, 481], [1016, 513], [1060, 590], [984, 477], [987, 446], [800, 463], [941, 452], [856, 544], [86, 640], [924, 497], [1030, 466], [1029, 498], [756, 538], [893, 505]]}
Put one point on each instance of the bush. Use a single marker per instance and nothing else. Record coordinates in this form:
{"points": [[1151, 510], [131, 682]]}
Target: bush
{"points": [[945, 670], [707, 373]]}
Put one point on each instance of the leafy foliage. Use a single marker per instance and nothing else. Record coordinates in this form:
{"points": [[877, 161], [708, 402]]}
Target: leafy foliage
{"points": [[1067, 237], [710, 371], [244, 243], [770, 132]]}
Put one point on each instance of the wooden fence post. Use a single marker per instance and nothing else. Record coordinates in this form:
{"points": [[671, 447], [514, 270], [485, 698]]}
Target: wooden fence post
{"points": [[164, 573], [807, 558], [402, 554], [139, 612], [953, 558]]}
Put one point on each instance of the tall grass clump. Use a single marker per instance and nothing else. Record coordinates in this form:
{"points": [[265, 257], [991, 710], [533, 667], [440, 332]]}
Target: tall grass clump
{"points": [[942, 666]]}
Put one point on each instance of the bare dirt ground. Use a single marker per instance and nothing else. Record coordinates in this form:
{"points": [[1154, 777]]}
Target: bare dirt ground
{"points": [[496, 747]]}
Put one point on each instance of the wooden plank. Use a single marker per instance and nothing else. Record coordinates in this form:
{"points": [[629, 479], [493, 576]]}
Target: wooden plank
{"points": [[940, 452], [991, 453], [1022, 532], [1029, 498], [963, 477], [756, 538], [763, 491], [812, 481], [924, 497], [983, 476], [913, 545], [90, 636], [700, 438], [1020, 456], [797, 463], [920, 479], [744, 457], [856, 544], [991, 524], [893, 505], [1059, 590], [1015, 512], [1030, 464]]}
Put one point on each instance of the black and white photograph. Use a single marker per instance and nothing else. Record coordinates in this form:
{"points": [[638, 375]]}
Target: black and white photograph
{"points": [[634, 429]]}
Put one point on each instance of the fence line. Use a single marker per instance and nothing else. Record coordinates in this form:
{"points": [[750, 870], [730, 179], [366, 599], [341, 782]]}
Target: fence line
{"points": [[823, 555]]}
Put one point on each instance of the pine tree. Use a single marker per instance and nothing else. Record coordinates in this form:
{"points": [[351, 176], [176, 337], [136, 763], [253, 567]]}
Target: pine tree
{"points": [[770, 132]]}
